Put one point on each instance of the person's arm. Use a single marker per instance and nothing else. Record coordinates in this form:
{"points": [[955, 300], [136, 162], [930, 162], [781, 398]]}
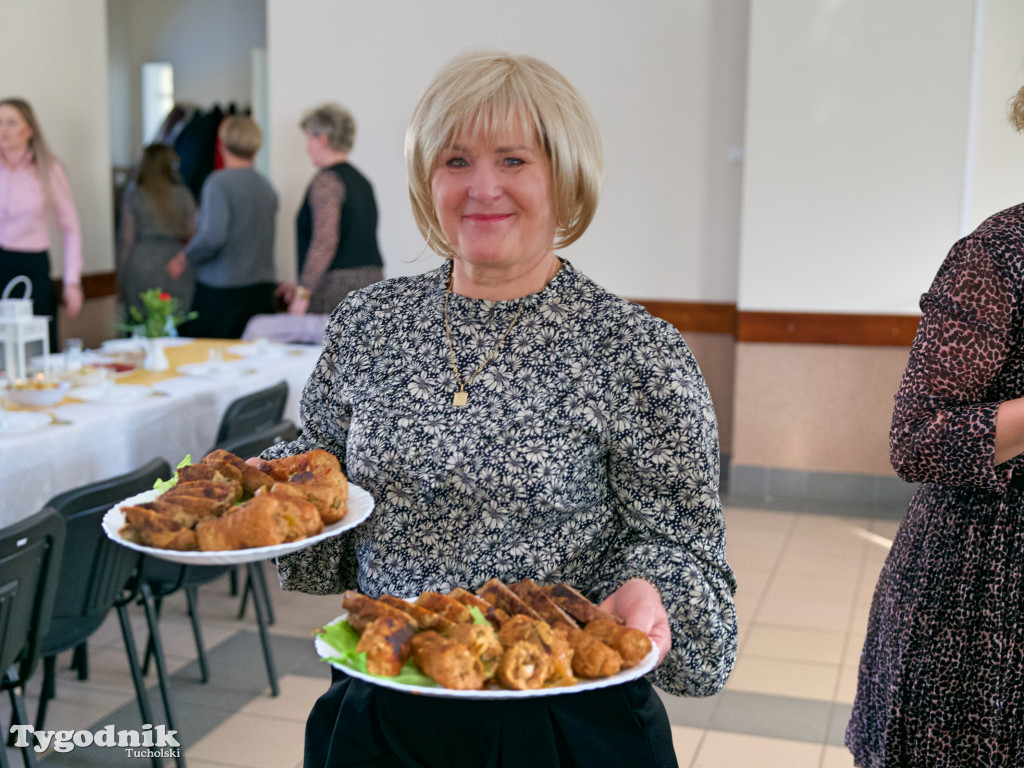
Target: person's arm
{"points": [[71, 229], [328, 567], [326, 197], [668, 574], [212, 225], [947, 426]]}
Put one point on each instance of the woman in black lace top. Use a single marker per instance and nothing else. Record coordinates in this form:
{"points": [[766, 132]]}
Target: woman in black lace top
{"points": [[513, 419]]}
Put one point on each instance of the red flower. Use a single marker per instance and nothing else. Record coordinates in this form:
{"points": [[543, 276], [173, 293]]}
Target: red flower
{"points": [[165, 296]]}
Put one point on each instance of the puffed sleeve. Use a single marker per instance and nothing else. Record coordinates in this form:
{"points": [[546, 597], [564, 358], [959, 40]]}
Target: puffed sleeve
{"points": [[664, 475], [944, 421], [329, 566]]}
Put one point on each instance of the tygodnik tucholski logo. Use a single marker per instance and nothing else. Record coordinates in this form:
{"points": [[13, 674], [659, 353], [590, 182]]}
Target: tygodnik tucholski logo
{"points": [[149, 742]]}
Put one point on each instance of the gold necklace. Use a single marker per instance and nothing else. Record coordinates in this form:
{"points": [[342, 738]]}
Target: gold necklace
{"points": [[462, 396]]}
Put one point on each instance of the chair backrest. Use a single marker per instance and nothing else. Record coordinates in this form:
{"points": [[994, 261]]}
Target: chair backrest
{"points": [[30, 554], [253, 412], [96, 571], [248, 446]]}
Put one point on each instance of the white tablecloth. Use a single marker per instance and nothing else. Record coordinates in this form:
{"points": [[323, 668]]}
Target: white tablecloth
{"points": [[109, 439]]}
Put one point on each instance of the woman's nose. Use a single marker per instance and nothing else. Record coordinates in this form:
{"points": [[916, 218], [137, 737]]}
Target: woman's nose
{"points": [[484, 183]]}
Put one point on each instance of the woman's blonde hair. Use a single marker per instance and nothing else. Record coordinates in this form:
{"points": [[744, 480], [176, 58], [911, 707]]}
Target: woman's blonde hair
{"points": [[1016, 110], [42, 156], [487, 92], [241, 136], [333, 121]]}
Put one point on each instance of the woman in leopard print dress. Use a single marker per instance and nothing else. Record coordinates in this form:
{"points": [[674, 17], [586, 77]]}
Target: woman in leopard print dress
{"points": [[941, 680]]}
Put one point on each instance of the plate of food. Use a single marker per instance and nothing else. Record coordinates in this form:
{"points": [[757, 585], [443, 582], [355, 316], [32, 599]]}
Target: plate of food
{"points": [[223, 511], [502, 642]]}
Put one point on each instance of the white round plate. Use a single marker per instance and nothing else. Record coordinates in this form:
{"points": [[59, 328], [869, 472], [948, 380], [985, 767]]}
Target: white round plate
{"points": [[133, 345], [15, 422], [216, 371], [325, 651], [256, 349], [114, 394], [360, 505]]}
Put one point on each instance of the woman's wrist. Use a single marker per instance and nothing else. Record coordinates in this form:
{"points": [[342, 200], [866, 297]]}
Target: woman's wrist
{"points": [[302, 292]]}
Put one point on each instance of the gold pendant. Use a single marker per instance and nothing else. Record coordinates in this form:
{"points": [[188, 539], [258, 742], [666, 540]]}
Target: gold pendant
{"points": [[461, 398]]}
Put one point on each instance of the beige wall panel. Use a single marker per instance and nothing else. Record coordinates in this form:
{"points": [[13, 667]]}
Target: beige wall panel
{"points": [[815, 407], [715, 353]]}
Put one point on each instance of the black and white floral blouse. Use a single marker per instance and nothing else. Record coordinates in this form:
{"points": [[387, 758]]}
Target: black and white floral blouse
{"points": [[587, 453]]}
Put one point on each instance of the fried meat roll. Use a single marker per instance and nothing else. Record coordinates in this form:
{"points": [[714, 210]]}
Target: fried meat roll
{"points": [[521, 628], [632, 644], [251, 525], [218, 474], [252, 478], [298, 517], [482, 641], [524, 666], [387, 642], [494, 615], [362, 610], [146, 527], [319, 473], [539, 600], [500, 596], [447, 662], [590, 657], [451, 609], [576, 605], [424, 618]]}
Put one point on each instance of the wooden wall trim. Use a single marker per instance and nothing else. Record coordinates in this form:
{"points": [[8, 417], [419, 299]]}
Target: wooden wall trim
{"points": [[711, 317], [820, 328], [786, 327]]}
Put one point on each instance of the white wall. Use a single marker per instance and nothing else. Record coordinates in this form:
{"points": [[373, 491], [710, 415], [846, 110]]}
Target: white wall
{"points": [[208, 42], [54, 54], [664, 78]]}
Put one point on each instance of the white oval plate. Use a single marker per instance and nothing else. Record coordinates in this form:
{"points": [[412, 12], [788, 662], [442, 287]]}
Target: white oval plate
{"points": [[325, 651], [360, 505], [256, 349], [113, 394], [16, 422], [216, 371]]}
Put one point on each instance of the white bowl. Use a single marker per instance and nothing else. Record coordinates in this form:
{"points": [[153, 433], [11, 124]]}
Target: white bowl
{"points": [[43, 397]]}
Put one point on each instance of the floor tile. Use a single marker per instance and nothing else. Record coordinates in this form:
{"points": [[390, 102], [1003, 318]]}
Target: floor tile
{"points": [[733, 750], [795, 643], [836, 757], [686, 742], [249, 740], [782, 677]]}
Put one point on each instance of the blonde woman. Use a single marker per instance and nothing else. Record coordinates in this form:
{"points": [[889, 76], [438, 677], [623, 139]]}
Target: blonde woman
{"points": [[514, 419], [233, 247], [34, 192]]}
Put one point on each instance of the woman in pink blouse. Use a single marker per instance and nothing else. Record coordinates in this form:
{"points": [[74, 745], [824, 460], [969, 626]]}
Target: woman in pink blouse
{"points": [[34, 192]]}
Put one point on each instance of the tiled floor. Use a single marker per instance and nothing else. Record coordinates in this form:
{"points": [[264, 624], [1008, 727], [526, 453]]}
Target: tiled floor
{"points": [[805, 587]]}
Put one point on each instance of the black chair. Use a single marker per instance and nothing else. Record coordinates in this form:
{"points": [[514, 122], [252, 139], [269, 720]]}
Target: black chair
{"points": [[95, 576], [30, 555], [253, 412]]}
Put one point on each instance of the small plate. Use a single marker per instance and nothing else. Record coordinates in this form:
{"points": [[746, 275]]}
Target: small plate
{"points": [[258, 349], [112, 394], [215, 370], [15, 422], [325, 651], [360, 505]]}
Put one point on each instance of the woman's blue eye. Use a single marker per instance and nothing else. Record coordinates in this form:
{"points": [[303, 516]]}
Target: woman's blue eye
{"points": [[456, 162], [513, 161]]}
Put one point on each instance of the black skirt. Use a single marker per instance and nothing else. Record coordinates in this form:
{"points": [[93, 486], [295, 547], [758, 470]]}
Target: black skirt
{"points": [[359, 724], [224, 312]]}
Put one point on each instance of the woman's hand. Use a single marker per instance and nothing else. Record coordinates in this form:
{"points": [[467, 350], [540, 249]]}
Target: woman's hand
{"points": [[298, 305], [285, 292], [639, 603], [176, 267], [73, 298]]}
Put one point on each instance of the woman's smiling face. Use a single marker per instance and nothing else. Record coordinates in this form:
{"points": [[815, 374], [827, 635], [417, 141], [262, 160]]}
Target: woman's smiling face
{"points": [[492, 196]]}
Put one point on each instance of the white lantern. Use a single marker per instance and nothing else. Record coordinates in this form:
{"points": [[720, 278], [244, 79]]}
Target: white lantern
{"points": [[20, 329]]}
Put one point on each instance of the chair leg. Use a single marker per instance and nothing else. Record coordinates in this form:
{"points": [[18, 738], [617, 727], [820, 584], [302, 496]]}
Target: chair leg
{"points": [[20, 715], [157, 602], [234, 581], [48, 691], [192, 597], [80, 660], [245, 594], [158, 652], [259, 601], [133, 665]]}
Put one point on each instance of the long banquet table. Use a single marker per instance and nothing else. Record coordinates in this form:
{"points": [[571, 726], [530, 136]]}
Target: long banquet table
{"points": [[117, 435]]}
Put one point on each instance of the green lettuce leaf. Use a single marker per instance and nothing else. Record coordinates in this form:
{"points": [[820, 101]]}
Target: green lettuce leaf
{"points": [[342, 638], [165, 485]]}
